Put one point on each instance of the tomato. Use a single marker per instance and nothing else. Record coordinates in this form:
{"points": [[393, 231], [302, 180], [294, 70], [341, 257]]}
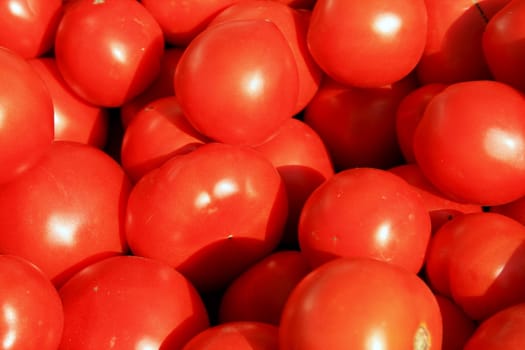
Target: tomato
{"points": [[501, 46], [453, 51], [157, 132], [365, 212], [31, 315], [514, 209], [210, 213], [26, 116], [129, 302], [360, 304], [303, 162], [457, 326], [75, 119], [236, 335], [108, 51], [358, 125], [28, 26], [504, 330], [67, 211], [243, 85], [293, 24], [367, 44], [260, 292], [470, 142]]}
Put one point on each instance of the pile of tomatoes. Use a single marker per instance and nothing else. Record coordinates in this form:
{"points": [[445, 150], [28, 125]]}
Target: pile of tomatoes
{"points": [[262, 174]]}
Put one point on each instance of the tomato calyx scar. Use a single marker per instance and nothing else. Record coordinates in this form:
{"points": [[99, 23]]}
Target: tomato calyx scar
{"points": [[422, 339]]}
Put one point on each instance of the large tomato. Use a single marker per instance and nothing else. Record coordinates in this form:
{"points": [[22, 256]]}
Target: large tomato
{"points": [[360, 304], [367, 43], [108, 51]]}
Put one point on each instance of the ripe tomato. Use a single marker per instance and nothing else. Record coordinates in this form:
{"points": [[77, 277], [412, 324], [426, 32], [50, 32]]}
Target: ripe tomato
{"points": [[470, 142], [108, 51], [128, 302], [360, 304], [260, 292], [210, 213], [250, 86], [457, 326], [31, 316], [67, 211], [29, 27], [367, 44], [26, 116], [365, 212]]}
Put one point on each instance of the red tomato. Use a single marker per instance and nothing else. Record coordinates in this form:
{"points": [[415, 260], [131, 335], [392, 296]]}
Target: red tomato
{"points": [[260, 292], [365, 212], [236, 335], [210, 213], [26, 116], [28, 26], [31, 316], [457, 326], [503, 330], [129, 302], [501, 44], [75, 119], [158, 132], [66, 212], [358, 125], [453, 50], [300, 156], [108, 51], [408, 114], [250, 86], [367, 43], [293, 24], [360, 304], [470, 142], [182, 20]]}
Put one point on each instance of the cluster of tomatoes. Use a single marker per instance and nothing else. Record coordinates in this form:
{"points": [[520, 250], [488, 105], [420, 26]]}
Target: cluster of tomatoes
{"points": [[262, 174]]}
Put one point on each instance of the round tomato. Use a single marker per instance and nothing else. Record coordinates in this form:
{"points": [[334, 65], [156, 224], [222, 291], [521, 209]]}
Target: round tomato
{"points": [[470, 142], [31, 316], [128, 302], [360, 304], [367, 43], [249, 87], [365, 212], [210, 213], [108, 51]]}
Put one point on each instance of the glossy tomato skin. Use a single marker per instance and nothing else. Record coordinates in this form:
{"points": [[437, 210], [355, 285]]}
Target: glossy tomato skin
{"points": [[367, 44], [365, 212], [29, 27], [129, 302], [470, 142], [108, 51], [210, 213], [236, 335], [67, 211], [26, 130], [74, 119], [250, 86], [457, 326], [32, 315], [356, 303], [158, 132]]}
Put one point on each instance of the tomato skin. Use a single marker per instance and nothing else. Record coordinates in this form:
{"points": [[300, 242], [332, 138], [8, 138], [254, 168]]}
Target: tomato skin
{"points": [[31, 308], [243, 85], [129, 302], [26, 112], [514, 210], [236, 335], [360, 303], [367, 44], [365, 212], [67, 211], [206, 215], [111, 43], [457, 326], [485, 164]]}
